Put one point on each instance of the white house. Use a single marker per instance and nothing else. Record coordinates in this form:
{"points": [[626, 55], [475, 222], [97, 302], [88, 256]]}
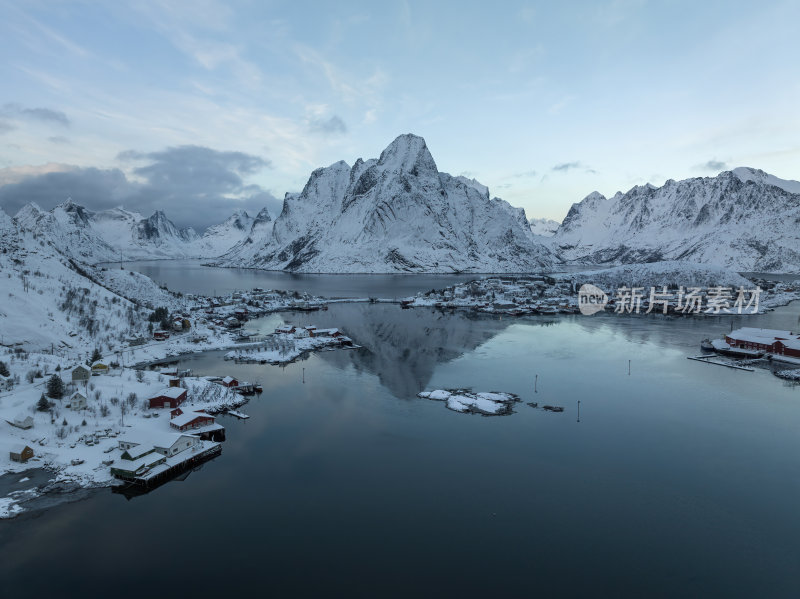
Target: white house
{"points": [[77, 401]]}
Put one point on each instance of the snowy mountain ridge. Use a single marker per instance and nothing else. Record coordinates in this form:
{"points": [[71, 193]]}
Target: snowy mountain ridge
{"points": [[119, 234], [396, 213], [744, 219]]}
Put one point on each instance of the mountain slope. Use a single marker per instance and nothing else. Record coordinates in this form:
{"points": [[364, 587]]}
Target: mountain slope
{"points": [[743, 219], [397, 213]]}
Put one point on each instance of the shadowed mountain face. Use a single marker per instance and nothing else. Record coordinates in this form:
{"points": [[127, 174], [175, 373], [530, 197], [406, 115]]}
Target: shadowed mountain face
{"points": [[401, 347]]}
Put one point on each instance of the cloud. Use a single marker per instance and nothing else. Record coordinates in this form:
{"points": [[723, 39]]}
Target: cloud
{"points": [[331, 126], [570, 166], [59, 139], [524, 175], [712, 165], [566, 166], [196, 186], [39, 114], [6, 127]]}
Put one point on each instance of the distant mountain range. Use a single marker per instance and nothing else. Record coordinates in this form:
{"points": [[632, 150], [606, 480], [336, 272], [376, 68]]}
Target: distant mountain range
{"points": [[119, 234], [398, 213], [743, 219]]}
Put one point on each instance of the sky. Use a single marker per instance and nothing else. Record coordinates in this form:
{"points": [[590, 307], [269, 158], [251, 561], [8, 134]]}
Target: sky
{"points": [[202, 107]]}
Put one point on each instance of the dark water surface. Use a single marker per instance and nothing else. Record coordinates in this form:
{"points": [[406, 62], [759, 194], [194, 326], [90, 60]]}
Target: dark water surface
{"points": [[190, 276], [680, 479]]}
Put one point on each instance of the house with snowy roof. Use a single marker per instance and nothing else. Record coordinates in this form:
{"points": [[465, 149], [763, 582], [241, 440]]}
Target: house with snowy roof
{"points": [[169, 397], [21, 453], [77, 401], [80, 374], [21, 421], [99, 368], [188, 420]]}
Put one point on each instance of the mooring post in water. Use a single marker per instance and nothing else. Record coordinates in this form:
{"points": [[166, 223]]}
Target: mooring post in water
{"points": [[304, 376], [535, 384], [629, 367], [579, 410]]}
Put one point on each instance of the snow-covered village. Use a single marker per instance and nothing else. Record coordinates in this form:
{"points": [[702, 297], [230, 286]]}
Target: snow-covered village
{"points": [[381, 299]]}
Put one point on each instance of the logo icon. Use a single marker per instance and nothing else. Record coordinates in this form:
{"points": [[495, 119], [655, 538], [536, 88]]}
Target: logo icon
{"points": [[591, 299]]}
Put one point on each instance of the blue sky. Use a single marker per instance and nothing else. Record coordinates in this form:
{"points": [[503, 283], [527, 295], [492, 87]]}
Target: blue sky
{"points": [[543, 102]]}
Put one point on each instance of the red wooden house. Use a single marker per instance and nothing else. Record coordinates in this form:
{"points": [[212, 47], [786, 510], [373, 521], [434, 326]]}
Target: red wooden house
{"points": [[185, 421], [169, 397], [229, 382]]}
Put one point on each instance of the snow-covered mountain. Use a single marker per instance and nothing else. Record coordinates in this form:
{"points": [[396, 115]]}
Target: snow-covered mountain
{"points": [[259, 234], [119, 234], [743, 219], [68, 229], [397, 213], [220, 238], [545, 227]]}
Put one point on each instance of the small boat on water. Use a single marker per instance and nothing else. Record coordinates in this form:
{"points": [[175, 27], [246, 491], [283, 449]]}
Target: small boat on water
{"points": [[706, 345]]}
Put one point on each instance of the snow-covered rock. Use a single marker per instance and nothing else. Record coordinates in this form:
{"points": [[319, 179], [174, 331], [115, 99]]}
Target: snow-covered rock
{"points": [[397, 213], [485, 403], [743, 219], [545, 227]]}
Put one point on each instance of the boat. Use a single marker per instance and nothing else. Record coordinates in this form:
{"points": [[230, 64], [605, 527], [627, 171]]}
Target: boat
{"points": [[258, 388], [706, 345]]}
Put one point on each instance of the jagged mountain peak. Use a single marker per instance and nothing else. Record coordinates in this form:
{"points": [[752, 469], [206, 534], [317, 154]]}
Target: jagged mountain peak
{"points": [[262, 216], [397, 213], [408, 153]]}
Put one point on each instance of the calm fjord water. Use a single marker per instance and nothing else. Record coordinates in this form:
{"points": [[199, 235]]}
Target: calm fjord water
{"points": [[679, 479]]}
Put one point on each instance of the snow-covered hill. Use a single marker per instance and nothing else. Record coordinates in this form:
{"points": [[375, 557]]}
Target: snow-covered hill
{"points": [[397, 213], [545, 227], [744, 219], [51, 301]]}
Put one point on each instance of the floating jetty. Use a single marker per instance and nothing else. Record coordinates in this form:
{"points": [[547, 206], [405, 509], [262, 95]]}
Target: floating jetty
{"points": [[708, 360], [238, 414]]}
